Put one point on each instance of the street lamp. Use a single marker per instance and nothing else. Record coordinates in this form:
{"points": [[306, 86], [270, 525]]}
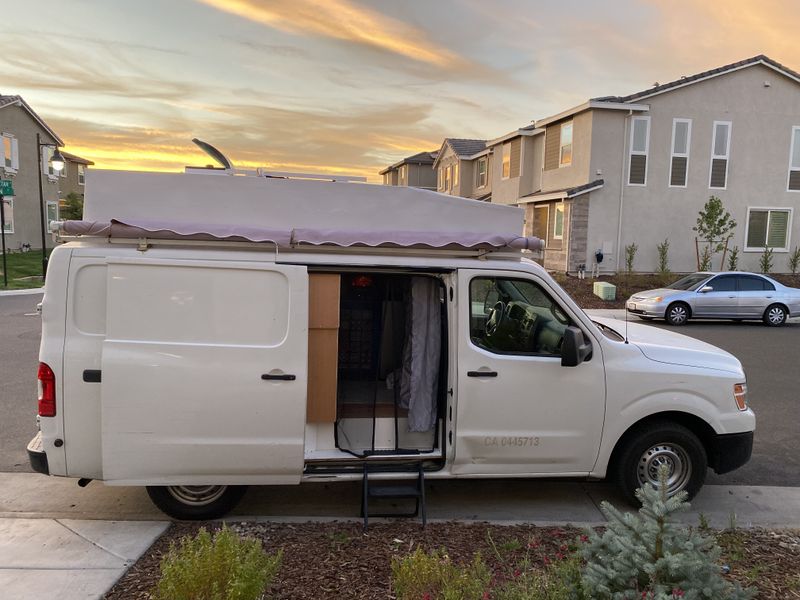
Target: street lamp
{"points": [[57, 161]]}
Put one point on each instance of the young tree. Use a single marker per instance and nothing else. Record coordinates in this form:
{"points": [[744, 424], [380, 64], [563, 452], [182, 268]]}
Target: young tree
{"points": [[73, 208], [714, 226]]}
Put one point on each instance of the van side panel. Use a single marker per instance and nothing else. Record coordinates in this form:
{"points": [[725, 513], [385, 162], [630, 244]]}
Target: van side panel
{"points": [[85, 332], [204, 372]]}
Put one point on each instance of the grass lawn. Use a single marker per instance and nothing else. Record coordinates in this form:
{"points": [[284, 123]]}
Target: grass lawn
{"points": [[24, 270]]}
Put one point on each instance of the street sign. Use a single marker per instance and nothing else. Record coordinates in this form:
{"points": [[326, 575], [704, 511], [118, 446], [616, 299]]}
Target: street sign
{"points": [[6, 187]]}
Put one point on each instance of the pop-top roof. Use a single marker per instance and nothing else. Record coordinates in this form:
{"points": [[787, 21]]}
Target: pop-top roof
{"points": [[290, 212]]}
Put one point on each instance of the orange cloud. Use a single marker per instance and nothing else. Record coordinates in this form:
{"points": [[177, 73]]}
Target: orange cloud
{"points": [[342, 20]]}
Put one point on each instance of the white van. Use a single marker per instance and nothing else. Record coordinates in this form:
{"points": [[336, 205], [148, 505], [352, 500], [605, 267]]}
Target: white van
{"points": [[202, 333]]}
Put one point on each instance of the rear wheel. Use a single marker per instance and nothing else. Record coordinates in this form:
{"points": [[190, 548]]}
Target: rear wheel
{"points": [[658, 444], [677, 313], [775, 315], [196, 502]]}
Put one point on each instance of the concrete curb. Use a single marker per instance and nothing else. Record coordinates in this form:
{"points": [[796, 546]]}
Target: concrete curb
{"points": [[28, 292]]}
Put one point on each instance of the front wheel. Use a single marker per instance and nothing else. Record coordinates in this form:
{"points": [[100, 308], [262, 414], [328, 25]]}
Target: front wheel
{"points": [[196, 502], [658, 444], [677, 313], [775, 315]]}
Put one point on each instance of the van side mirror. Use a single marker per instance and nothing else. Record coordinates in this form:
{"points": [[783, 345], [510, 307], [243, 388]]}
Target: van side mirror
{"points": [[705, 289], [574, 348]]}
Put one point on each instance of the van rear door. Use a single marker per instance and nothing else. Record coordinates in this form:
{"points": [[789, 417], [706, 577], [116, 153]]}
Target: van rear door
{"points": [[204, 372]]}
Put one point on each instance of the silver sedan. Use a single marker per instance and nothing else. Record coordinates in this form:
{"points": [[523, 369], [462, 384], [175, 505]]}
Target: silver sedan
{"points": [[729, 295]]}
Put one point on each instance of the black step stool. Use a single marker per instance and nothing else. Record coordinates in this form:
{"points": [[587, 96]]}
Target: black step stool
{"points": [[390, 490]]}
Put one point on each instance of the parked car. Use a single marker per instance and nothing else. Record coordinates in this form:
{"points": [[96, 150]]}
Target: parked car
{"points": [[728, 295]]}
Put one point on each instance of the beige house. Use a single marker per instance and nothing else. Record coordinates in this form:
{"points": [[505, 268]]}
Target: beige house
{"points": [[413, 171], [73, 176], [637, 169], [463, 168], [19, 125]]}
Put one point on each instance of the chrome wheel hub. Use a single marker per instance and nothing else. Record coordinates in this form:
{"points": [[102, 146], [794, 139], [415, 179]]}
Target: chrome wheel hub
{"points": [[196, 495], [677, 314], [676, 460], [775, 315]]}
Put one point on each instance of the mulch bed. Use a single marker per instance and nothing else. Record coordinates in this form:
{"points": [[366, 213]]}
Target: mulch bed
{"points": [[337, 560]]}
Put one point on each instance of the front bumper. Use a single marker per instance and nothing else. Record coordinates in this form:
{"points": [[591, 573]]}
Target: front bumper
{"points": [[37, 456], [645, 309], [730, 451]]}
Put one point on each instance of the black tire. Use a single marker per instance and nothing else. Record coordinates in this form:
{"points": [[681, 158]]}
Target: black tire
{"points": [[677, 314], [196, 502], [660, 442], [775, 315]]}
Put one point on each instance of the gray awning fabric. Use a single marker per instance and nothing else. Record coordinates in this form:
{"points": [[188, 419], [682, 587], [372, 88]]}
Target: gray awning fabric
{"points": [[137, 228]]}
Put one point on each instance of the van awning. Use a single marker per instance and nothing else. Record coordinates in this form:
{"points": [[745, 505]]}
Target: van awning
{"points": [[343, 238]]}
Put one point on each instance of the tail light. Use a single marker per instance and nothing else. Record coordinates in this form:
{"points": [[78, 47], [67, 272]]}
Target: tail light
{"points": [[47, 391], [740, 395]]}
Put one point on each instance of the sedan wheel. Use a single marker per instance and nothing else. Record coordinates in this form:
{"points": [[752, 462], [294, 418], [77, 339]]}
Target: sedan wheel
{"points": [[775, 315], [677, 314]]}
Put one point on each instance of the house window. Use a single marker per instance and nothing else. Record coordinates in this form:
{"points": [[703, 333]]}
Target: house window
{"points": [[403, 174], [439, 179], [565, 147], [506, 161], [768, 227], [639, 144], [455, 174], [679, 163], [63, 172], [10, 153], [47, 164], [52, 212], [558, 222], [720, 150], [8, 206], [794, 161], [480, 173], [447, 180]]}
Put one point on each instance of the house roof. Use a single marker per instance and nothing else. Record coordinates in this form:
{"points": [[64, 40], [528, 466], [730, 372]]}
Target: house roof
{"points": [[421, 158], [528, 130], [564, 193], [18, 101], [75, 158], [462, 148], [761, 59]]}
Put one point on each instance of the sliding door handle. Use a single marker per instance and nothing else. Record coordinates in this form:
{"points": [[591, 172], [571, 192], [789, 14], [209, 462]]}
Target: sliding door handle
{"points": [[481, 373], [278, 377], [92, 375]]}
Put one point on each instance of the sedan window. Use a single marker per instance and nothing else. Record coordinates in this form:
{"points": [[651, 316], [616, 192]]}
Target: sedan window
{"points": [[690, 282], [751, 283], [724, 283]]}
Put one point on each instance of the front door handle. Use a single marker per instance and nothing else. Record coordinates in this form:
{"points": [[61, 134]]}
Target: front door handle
{"points": [[278, 377], [481, 373]]}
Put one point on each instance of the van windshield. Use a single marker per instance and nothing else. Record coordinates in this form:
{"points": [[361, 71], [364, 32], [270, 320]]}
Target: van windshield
{"points": [[690, 282]]}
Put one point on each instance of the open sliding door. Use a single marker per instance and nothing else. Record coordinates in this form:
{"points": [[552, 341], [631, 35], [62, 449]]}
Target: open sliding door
{"points": [[204, 372]]}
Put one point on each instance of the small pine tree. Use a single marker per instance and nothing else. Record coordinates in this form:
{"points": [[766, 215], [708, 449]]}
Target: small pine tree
{"points": [[733, 259], [765, 262], [794, 260], [663, 258], [649, 556]]}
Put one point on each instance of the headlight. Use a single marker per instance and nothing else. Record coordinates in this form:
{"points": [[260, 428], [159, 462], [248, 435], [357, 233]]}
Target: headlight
{"points": [[654, 299], [740, 395]]}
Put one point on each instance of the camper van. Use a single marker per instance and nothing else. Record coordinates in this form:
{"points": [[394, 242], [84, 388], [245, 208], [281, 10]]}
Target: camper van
{"points": [[202, 333]]}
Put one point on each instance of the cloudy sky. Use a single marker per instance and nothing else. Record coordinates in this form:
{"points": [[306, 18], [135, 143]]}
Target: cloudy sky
{"points": [[348, 86]]}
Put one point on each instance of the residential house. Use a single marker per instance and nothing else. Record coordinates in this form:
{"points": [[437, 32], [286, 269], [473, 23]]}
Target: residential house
{"points": [[413, 171], [19, 125], [73, 175], [463, 168], [636, 169]]}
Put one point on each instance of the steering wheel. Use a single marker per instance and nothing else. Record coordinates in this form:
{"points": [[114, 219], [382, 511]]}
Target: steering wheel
{"points": [[496, 318]]}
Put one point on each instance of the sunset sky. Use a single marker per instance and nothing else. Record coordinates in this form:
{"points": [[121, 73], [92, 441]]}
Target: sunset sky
{"points": [[349, 86]]}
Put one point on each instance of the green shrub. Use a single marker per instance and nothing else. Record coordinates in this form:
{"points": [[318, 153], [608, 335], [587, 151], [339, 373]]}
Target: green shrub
{"points": [[765, 262], [630, 256], [433, 576], [733, 259], [222, 567], [794, 260], [705, 259], [560, 580], [663, 258], [649, 556]]}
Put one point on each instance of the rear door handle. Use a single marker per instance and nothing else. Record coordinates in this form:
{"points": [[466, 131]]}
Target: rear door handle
{"points": [[481, 373], [278, 377], [92, 375]]}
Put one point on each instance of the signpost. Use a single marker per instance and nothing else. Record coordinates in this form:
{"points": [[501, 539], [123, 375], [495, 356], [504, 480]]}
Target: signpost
{"points": [[6, 189]]}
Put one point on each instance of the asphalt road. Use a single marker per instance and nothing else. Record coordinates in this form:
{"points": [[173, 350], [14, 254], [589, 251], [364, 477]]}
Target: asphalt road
{"points": [[769, 357]]}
